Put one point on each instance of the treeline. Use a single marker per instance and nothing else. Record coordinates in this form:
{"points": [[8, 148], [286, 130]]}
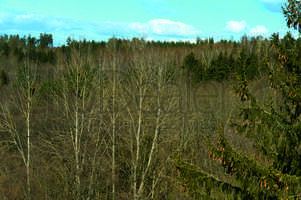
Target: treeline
{"points": [[225, 66], [205, 60], [39, 50]]}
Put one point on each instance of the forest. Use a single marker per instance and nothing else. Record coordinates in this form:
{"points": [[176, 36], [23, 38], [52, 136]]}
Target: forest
{"points": [[136, 119]]}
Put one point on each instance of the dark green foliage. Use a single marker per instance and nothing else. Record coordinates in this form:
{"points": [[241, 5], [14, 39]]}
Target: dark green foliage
{"points": [[27, 48], [263, 66], [42, 56], [3, 78], [292, 13], [220, 68], [199, 41], [252, 66], [257, 181], [283, 122], [45, 40], [276, 133], [211, 42], [19, 52], [223, 67], [193, 68], [31, 42], [287, 52], [248, 66], [241, 62], [51, 57], [6, 49], [94, 47], [199, 183]]}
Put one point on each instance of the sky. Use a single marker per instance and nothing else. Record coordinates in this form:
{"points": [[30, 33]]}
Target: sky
{"points": [[170, 20]]}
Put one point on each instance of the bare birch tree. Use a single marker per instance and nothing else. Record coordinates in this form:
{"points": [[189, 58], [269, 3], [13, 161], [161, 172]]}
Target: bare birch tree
{"points": [[22, 98], [77, 129], [144, 97]]}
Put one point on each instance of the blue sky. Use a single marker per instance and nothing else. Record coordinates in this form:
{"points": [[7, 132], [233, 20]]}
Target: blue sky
{"points": [[150, 19]]}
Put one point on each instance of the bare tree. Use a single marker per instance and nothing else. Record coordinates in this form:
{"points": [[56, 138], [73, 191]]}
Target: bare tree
{"points": [[78, 122], [144, 97], [22, 98]]}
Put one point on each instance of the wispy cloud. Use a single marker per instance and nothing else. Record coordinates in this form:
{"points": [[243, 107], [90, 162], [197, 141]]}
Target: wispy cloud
{"points": [[35, 22]]}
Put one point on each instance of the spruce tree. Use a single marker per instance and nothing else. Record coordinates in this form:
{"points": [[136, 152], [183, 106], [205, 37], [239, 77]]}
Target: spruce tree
{"points": [[275, 130], [3, 78]]}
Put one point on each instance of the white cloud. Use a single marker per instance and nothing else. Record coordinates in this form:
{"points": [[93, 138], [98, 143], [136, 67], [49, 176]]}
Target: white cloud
{"points": [[163, 27], [168, 27], [190, 40], [243, 27], [183, 40], [259, 30], [235, 26]]}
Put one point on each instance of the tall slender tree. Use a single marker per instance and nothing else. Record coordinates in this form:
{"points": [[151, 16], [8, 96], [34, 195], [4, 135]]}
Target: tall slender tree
{"points": [[24, 99]]}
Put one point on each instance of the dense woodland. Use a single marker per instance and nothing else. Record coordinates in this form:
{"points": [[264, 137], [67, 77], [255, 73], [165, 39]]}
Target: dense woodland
{"points": [[136, 119]]}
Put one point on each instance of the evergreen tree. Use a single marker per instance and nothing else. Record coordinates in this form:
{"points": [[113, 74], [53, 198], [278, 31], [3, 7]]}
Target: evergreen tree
{"points": [[3, 78], [193, 68], [240, 63], [292, 13], [252, 66], [45, 40], [276, 131], [6, 49], [220, 68]]}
